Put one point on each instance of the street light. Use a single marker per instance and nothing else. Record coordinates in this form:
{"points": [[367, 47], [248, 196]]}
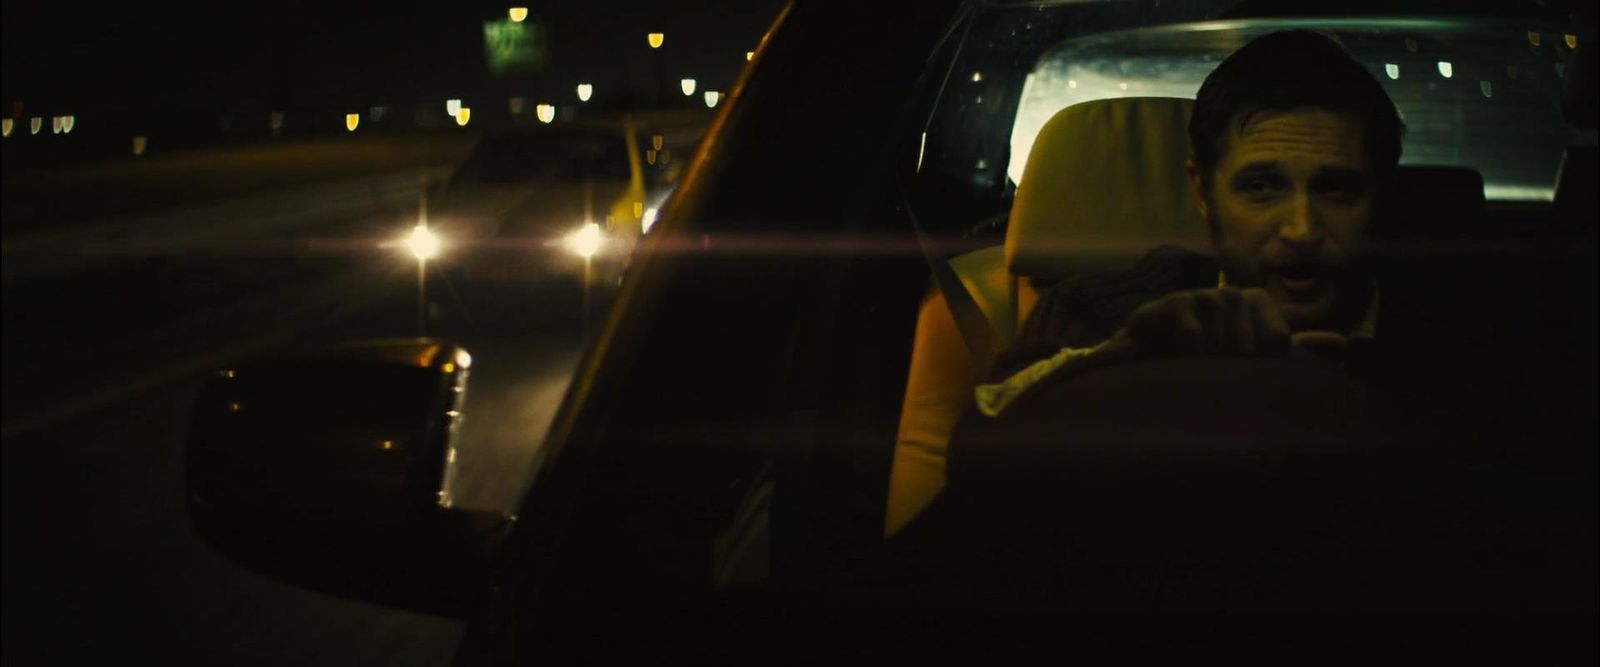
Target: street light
{"points": [[351, 120], [67, 123], [655, 39], [688, 87], [463, 115], [519, 14], [585, 91], [452, 107], [546, 112], [712, 98], [139, 144], [35, 124]]}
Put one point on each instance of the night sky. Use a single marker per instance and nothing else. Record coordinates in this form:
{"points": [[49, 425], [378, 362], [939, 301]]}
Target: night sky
{"points": [[138, 59]]}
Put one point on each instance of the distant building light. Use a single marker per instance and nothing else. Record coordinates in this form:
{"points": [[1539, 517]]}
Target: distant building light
{"points": [[517, 104], [519, 14], [1533, 37], [712, 98], [656, 141], [688, 86], [275, 121], [650, 157], [656, 39], [749, 55], [35, 124], [463, 116], [1486, 88], [1446, 70], [55, 125], [1572, 41], [6, 125], [1392, 70], [977, 77], [1513, 72], [546, 112], [67, 123], [140, 143], [452, 107], [378, 113], [1561, 70], [585, 91], [351, 120]]}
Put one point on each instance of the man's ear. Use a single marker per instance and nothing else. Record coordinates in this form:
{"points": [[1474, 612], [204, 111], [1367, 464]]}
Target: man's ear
{"points": [[1197, 188]]}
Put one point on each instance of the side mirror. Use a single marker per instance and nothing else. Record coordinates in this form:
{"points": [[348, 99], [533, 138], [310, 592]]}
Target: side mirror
{"points": [[333, 469]]}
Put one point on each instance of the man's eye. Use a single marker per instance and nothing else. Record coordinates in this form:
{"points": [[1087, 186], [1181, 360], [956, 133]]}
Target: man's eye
{"points": [[1259, 186]]}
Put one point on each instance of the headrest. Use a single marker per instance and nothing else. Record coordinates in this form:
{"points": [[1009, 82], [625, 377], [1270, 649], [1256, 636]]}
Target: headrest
{"points": [[1579, 97], [1435, 202], [1103, 184]]}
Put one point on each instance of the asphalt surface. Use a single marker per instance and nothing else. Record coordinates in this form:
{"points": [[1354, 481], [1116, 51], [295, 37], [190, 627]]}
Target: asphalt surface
{"points": [[113, 312]]}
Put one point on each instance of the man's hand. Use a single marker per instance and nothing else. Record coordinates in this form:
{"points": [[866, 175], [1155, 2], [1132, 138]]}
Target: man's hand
{"points": [[1209, 321]]}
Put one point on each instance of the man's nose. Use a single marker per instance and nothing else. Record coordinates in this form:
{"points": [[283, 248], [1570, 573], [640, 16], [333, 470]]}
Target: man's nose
{"points": [[1302, 226]]}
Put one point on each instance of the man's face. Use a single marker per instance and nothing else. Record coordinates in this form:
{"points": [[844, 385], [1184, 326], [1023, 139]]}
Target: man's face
{"points": [[1288, 205]]}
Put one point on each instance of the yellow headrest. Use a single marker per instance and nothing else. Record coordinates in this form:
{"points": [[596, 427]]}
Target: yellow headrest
{"points": [[1103, 184]]}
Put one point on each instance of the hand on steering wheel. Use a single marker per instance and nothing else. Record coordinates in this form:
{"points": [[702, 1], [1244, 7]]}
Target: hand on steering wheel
{"points": [[1223, 321]]}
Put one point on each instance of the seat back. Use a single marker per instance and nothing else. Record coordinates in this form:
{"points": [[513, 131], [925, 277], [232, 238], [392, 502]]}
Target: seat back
{"points": [[1104, 183]]}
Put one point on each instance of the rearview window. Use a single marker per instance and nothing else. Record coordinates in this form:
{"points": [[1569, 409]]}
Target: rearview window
{"points": [[1483, 94]]}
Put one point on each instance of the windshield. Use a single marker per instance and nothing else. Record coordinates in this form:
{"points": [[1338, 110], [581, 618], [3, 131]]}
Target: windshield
{"points": [[1478, 94], [526, 156]]}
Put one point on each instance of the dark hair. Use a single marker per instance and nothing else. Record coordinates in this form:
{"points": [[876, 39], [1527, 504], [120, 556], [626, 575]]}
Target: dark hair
{"points": [[1289, 70]]}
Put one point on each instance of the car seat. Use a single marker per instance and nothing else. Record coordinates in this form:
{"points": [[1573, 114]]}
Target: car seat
{"points": [[1103, 184]]}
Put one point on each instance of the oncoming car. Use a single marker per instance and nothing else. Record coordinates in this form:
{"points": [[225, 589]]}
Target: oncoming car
{"points": [[722, 480], [527, 188]]}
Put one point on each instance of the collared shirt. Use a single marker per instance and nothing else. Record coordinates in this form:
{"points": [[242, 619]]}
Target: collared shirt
{"points": [[993, 398]]}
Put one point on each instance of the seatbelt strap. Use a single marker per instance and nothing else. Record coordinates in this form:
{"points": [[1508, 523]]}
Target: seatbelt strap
{"points": [[983, 342]]}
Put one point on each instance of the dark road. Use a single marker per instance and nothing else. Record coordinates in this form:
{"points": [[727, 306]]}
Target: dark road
{"points": [[114, 310]]}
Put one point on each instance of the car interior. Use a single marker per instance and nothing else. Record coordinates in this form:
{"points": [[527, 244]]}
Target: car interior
{"points": [[823, 449]]}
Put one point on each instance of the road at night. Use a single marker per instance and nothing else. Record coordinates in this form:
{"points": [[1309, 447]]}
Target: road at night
{"points": [[113, 320]]}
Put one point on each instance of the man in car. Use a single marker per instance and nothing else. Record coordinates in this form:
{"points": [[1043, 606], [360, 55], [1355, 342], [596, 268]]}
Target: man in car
{"points": [[1295, 145], [1271, 491]]}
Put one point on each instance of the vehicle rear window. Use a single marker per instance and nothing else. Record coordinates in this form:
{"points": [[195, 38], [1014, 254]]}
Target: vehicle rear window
{"points": [[1475, 93]]}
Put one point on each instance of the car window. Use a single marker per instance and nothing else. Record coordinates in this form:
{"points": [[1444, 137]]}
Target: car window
{"points": [[1483, 94], [1478, 87]]}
